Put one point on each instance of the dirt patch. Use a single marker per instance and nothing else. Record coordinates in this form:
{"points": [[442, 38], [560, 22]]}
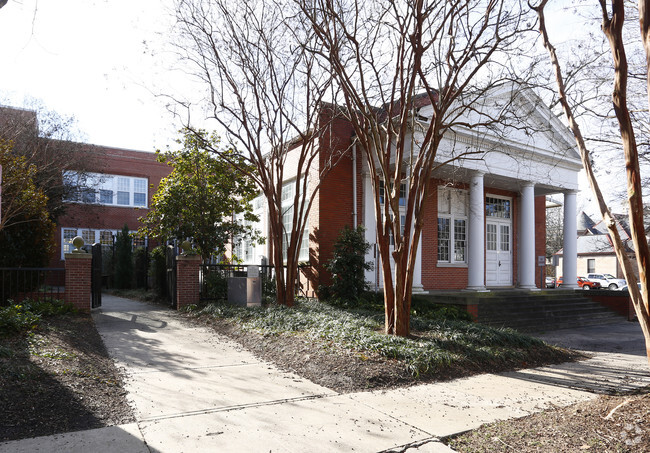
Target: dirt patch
{"points": [[344, 371], [59, 378], [617, 423]]}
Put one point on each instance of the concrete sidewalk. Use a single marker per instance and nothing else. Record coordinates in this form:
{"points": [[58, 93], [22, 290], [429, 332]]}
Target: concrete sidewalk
{"points": [[193, 390]]}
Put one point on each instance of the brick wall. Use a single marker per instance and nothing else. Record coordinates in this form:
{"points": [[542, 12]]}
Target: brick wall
{"points": [[332, 208], [78, 274]]}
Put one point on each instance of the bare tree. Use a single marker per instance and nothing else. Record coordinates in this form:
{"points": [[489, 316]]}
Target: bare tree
{"points": [[612, 26], [391, 59], [263, 90], [47, 141]]}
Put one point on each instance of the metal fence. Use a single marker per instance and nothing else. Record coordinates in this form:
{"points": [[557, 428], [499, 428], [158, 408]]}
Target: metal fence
{"points": [[214, 280], [43, 284]]}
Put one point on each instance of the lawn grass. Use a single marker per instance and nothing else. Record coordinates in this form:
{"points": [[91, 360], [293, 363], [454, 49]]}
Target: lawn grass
{"points": [[435, 347]]}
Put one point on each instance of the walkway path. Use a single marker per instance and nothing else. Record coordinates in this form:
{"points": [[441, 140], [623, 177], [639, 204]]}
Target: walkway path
{"points": [[193, 390]]}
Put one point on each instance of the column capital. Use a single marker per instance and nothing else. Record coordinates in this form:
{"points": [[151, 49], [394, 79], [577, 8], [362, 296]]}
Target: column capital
{"points": [[527, 184], [570, 192]]}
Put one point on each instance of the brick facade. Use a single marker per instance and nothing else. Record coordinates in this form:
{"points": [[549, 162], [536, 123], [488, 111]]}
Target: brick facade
{"points": [[112, 161]]}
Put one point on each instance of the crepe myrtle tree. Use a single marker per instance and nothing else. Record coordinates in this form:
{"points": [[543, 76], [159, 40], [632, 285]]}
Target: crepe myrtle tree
{"points": [[389, 59], [203, 196], [255, 61], [613, 19]]}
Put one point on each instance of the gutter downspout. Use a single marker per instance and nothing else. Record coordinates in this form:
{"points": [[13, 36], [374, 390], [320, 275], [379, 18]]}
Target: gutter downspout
{"points": [[354, 185]]}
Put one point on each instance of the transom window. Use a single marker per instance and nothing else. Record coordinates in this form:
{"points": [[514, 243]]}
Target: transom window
{"points": [[452, 225], [97, 188], [498, 207]]}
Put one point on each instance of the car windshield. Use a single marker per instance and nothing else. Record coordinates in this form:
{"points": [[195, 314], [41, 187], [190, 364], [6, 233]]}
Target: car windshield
{"points": [[608, 276]]}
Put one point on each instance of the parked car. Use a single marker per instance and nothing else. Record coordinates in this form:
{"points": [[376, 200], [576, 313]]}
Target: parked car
{"points": [[607, 280], [627, 290], [550, 282], [583, 283]]}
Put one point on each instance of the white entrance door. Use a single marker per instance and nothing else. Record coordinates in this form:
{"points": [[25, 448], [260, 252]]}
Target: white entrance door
{"points": [[498, 253]]}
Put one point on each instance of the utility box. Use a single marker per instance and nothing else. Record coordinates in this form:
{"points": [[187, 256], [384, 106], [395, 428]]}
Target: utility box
{"points": [[246, 291]]}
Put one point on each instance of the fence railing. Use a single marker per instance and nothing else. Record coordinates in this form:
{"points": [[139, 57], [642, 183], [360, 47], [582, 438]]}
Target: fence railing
{"points": [[40, 283], [214, 280]]}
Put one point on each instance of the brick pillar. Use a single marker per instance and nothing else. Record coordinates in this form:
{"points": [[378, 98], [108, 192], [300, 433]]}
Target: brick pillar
{"points": [[187, 280], [78, 273]]}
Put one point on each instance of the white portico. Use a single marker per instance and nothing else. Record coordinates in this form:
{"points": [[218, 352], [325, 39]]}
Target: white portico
{"points": [[488, 229]]}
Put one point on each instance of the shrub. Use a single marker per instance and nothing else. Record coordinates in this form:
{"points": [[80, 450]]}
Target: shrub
{"points": [[158, 268], [216, 285], [26, 316], [348, 264], [123, 259]]}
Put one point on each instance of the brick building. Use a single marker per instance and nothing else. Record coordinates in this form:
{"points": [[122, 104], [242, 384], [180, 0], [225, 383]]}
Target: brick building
{"points": [[485, 221], [113, 187], [118, 192]]}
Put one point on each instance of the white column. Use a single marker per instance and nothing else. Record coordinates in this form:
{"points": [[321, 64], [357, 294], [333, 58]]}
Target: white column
{"points": [[570, 249], [526, 251], [370, 224], [417, 272], [476, 237]]}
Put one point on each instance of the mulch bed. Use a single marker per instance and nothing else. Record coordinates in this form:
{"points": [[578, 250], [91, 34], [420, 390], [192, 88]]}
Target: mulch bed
{"points": [[59, 378]]}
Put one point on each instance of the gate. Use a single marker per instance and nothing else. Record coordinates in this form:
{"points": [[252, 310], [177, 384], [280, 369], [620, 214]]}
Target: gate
{"points": [[170, 284], [96, 276]]}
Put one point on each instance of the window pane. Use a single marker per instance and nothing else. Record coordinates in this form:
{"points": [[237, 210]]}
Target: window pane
{"points": [[140, 185], [497, 207], [287, 191], [591, 266], [88, 236], [505, 238], [124, 184], [139, 199], [443, 239], [68, 235], [123, 198], [459, 240], [491, 237], [106, 196], [402, 194], [89, 196], [106, 237], [444, 206]]}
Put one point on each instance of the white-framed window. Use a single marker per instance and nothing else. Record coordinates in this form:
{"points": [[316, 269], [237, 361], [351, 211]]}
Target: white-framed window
{"points": [[452, 225], [109, 190], [287, 220], [402, 192], [91, 236], [498, 207]]}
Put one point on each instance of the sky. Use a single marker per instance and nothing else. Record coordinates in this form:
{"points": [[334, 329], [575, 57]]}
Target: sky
{"points": [[92, 60], [108, 64]]}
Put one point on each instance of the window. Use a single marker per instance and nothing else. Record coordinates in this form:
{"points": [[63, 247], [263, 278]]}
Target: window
{"points": [[140, 192], [287, 221], [105, 196], [402, 193], [90, 237], [591, 266], [123, 191], [497, 207], [452, 225], [105, 189]]}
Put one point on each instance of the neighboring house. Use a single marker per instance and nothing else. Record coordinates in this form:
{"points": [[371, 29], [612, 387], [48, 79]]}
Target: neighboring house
{"points": [[113, 186], [595, 250], [118, 194], [485, 221]]}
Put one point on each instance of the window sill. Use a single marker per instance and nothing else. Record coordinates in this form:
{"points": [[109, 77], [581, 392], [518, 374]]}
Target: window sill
{"points": [[458, 265]]}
